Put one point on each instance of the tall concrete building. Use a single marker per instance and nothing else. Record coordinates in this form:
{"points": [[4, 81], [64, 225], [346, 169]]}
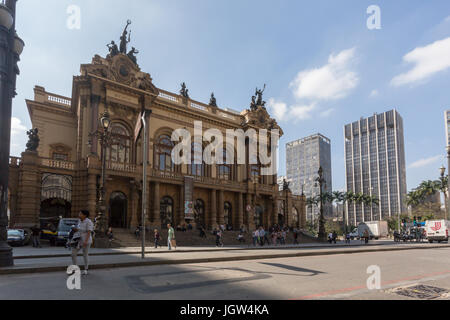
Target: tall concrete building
{"points": [[303, 160], [375, 165]]}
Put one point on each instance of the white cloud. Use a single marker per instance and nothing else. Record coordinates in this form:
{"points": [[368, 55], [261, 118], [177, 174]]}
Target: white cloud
{"points": [[425, 162], [326, 113], [279, 109], [17, 127], [333, 81], [374, 93], [427, 61], [302, 112]]}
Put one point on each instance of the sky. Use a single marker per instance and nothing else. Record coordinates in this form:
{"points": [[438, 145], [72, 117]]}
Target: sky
{"points": [[323, 66]]}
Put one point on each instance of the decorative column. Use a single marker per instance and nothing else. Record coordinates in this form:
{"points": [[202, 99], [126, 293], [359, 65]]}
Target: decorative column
{"points": [[180, 212], [29, 194], [220, 207], [240, 211], [213, 210], [251, 213], [156, 206], [134, 191], [274, 213]]}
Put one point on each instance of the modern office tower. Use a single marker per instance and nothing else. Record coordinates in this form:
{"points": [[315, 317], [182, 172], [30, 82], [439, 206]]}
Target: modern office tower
{"points": [[375, 165], [303, 160]]}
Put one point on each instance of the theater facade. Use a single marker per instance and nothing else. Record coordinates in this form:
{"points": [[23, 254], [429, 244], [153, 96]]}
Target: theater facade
{"points": [[62, 173]]}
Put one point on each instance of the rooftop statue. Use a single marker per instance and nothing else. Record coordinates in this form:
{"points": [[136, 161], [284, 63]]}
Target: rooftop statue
{"points": [[259, 95], [113, 49], [213, 101], [123, 39], [286, 185], [33, 140], [132, 55], [184, 92]]}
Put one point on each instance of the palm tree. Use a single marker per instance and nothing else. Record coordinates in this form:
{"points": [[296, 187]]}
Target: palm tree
{"points": [[339, 197], [442, 186]]}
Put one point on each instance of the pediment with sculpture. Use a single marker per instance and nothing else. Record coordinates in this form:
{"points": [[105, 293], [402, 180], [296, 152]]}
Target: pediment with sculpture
{"points": [[257, 115], [121, 66]]}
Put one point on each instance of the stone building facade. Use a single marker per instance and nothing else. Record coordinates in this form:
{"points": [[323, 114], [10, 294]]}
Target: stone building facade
{"points": [[63, 175]]}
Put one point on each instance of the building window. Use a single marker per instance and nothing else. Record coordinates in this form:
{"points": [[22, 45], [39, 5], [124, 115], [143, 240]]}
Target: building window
{"points": [[197, 166], [224, 170], [60, 156], [166, 212], [119, 151], [164, 148]]}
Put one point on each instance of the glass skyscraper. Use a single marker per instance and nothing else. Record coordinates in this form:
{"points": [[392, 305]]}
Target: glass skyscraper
{"points": [[375, 165], [303, 160]]}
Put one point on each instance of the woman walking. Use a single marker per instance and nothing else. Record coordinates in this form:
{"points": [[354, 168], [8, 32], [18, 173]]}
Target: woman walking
{"points": [[85, 229], [171, 237], [157, 237]]}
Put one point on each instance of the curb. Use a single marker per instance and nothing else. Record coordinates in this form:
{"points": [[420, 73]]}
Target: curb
{"points": [[68, 255], [32, 270]]}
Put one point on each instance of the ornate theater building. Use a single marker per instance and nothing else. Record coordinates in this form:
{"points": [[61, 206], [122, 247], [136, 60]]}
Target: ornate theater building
{"points": [[60, 173]]}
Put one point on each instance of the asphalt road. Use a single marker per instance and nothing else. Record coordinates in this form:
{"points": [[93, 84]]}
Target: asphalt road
{"points": [[318, 277]]}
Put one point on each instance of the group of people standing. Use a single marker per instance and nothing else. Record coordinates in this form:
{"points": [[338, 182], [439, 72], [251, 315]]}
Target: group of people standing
{"points": [[275, 236]]}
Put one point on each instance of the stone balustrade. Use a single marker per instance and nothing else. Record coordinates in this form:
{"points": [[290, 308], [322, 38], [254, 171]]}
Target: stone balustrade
{"points": [[57, 164]]}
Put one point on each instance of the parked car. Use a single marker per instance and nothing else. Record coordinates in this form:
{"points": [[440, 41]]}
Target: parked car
{"points": [[17, 237], [63, 230], [437, 230]]}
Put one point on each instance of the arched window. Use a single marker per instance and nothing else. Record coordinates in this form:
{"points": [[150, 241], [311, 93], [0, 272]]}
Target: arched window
{"points": [[197, 166], [224, 171], [119, 151], [164, 148], [166, 211], [199, 212]]}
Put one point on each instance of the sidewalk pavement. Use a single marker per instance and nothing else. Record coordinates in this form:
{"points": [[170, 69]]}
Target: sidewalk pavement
{"points": [[52, 252], [130, 257]]}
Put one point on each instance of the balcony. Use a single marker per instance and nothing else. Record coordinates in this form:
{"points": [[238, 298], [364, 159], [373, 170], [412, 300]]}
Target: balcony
{"points": [[121, 167], [57, 164]]}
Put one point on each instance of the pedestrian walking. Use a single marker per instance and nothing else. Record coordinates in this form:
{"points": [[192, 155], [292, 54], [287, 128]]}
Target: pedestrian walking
{"points": [[261, 235], [219, 238], [295, 236], [110, 235], [171, 242], [255, 237], [334, 237], [157, 238], [366, 236], [137, 232], [36, 234], [85, 229]]}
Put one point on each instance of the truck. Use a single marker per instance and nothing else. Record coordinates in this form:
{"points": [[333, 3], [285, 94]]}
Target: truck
{"points": [[437, 230], [377, 229]]}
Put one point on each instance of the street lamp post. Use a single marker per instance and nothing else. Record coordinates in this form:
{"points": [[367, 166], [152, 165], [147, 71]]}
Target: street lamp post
{"points": [[100, 220], [320, 180], [11, 46], [444, 190]]}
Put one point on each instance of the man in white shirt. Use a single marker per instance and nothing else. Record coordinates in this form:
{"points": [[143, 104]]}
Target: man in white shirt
{"points": [[85, 228]]}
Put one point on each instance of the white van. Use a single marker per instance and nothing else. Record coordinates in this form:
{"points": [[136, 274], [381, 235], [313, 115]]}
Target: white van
{"points": [[437, 230]]}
